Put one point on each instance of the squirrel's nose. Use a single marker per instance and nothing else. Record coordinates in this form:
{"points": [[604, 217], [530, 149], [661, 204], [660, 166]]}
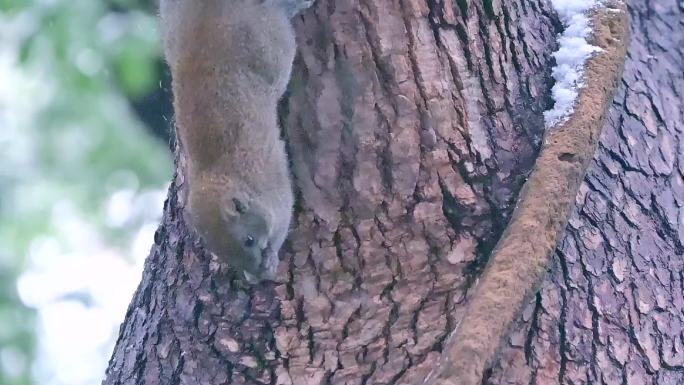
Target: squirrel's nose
{"points": [[251, 278], [269, 263]]}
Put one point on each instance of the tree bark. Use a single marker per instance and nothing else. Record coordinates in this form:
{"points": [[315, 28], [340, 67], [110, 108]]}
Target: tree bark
{"points": [[612, 309], [411, 127]]}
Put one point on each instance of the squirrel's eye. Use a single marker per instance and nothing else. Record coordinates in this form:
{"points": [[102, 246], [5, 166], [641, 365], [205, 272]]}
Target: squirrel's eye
{"points": [[249, 241]]}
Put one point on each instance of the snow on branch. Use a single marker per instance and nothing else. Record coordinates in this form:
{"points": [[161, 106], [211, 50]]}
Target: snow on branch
{"points": [[573, 52]]}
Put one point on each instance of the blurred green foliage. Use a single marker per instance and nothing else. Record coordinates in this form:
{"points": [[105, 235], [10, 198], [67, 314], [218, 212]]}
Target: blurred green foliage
{"points": [[69, 70]]}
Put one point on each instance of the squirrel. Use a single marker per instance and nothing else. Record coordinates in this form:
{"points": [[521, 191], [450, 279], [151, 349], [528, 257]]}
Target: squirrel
{"points": [[230, 63]]}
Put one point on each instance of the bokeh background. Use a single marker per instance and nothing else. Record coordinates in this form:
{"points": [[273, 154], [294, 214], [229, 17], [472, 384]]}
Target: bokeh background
{"points": [[84, 168]]}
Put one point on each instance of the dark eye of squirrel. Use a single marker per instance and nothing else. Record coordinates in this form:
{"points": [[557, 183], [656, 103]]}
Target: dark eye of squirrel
{"points": [[249, 241]]}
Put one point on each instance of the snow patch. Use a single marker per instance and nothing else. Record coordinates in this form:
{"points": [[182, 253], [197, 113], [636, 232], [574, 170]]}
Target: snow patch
{"points": [[571, 56]]}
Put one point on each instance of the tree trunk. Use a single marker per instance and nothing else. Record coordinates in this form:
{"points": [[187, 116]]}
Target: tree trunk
{"points": [[411, 127]]}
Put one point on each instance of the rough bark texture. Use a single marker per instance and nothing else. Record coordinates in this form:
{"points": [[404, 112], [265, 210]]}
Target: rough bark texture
{"points": [[412, 126], [612, 309], [520, 259]]}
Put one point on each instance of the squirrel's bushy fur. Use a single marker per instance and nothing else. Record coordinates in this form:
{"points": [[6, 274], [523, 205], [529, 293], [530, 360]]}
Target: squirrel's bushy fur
{"points": [[230, 62]]}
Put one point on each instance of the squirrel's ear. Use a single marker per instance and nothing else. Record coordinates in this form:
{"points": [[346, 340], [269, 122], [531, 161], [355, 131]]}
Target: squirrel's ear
{"points": [[240, 206], [234, 207]]}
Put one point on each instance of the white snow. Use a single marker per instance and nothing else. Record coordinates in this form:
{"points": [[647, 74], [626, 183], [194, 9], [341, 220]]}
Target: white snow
{"points": [[573, 52]]}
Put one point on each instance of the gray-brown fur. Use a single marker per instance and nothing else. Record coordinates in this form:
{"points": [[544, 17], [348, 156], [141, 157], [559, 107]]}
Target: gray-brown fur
{"points": [[230, 61]]}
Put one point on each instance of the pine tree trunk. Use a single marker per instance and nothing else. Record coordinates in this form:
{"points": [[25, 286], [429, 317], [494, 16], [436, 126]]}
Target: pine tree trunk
{"points": [[411, 127]]}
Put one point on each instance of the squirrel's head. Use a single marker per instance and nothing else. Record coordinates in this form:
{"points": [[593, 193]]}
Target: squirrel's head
{"points": [[236, 229]]}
